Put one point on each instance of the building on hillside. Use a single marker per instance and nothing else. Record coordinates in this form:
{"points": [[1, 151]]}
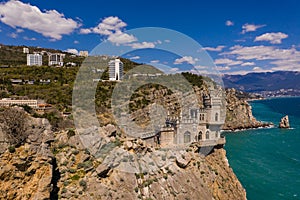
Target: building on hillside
{"points": [[7, 102], [56, 59], [25, 50], [84, 53], [200, 125], [34, 60], [115, 70]]}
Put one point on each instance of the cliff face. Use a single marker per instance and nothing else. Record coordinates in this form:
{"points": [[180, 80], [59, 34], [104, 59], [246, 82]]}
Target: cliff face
{"points": [[71, 172], [239, 114], [26, 171], [175, 175]]}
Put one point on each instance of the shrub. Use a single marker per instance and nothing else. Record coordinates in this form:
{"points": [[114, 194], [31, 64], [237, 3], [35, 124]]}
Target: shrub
{"points": [[11, 149], [83, 184]]}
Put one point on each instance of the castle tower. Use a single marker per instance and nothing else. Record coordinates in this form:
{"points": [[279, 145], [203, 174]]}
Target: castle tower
{"points": [[215, 114]]}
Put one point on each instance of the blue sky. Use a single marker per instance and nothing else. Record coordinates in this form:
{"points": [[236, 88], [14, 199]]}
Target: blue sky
{"points": [[240, 36]]}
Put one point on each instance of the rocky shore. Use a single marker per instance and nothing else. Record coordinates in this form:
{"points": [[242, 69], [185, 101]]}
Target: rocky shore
{"points": [[239, 114]]}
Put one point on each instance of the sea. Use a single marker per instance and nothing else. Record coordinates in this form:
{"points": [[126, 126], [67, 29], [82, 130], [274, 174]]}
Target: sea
{"points": [[267, 160]]}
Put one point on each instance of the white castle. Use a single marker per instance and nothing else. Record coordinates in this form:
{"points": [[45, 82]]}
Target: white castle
{"points": [[199, 125]]}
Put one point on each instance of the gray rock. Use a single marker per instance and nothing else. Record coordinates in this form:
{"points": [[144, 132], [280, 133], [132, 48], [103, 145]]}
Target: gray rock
{"points": [[102, 170], [284, 122]]}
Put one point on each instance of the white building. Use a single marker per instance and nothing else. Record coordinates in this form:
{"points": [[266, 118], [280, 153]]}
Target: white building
{"points": [[84, 53], [56, 59], [34, 59], [6, 102], [115, 70], [25, 50]]}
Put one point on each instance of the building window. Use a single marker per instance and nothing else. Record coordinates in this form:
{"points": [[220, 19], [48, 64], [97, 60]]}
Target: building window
{"points": [[207, 135], [200, 136], [217, 117], [217, 134], [187, 137], [193, 113]]}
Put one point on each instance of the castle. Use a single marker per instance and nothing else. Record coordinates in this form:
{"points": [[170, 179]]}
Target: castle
{"points": [[200, 125]]}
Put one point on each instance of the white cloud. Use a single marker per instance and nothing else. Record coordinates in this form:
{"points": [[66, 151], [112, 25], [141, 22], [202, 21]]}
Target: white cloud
{"points": [[154, 61], [142, 45], [257, 69], [30, 39], [273, 38], [135, 58], [223, 68], [19, 30], [248, 64], [218, 48], [167, 41], [187, 59], [85, 31], [76, 42], [273, 58], [250, 28], [13, 35], [121, 38], [112, 27], [226, 61], [229, 23], [73, 51], [49, 23]]}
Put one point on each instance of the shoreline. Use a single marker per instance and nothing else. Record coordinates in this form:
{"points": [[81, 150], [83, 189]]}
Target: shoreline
{"points": [[267, 98], [269, 126]]}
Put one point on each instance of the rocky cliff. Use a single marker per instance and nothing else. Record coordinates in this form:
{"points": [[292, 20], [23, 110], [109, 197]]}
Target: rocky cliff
{"points": [[26, 172], [239, 113], [69, 171], [180, 175]]}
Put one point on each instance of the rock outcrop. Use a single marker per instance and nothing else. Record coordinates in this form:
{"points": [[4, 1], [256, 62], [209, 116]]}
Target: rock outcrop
{"points": [[26, 172], [239, 114], [168, 174], [284, 122]]}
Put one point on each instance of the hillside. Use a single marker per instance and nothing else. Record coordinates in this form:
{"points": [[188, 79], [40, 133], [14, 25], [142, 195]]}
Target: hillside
{"points": [[14, 56]]}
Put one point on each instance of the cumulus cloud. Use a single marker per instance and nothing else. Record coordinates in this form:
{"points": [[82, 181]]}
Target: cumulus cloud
{"points": [[274, 58], [250, 28], [142, 45], [186, 59], [112, 27], [273, 38], [13, 35], [72, 51], [229, 23], [223, 68], [226, 61], [135, 58], [154, 61], [49, 23], [29, 39], [218, 48], [248, 64], [120, 37]]}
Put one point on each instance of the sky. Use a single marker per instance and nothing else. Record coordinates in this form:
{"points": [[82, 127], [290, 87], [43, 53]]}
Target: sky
{"points": [[239, 36]]}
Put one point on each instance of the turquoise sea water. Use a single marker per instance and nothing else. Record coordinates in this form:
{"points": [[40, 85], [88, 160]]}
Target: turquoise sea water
{"points": [[267, 161]]}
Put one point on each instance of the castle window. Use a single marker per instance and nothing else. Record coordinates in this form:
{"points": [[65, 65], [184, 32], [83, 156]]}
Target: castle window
{"points": [[187, 137], [193, 113], [207, 135], [200, 136], [217, 117], [217, 134]]}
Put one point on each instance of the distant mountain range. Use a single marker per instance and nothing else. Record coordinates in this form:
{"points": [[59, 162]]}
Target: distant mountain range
{"points": [[260, 82]]}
